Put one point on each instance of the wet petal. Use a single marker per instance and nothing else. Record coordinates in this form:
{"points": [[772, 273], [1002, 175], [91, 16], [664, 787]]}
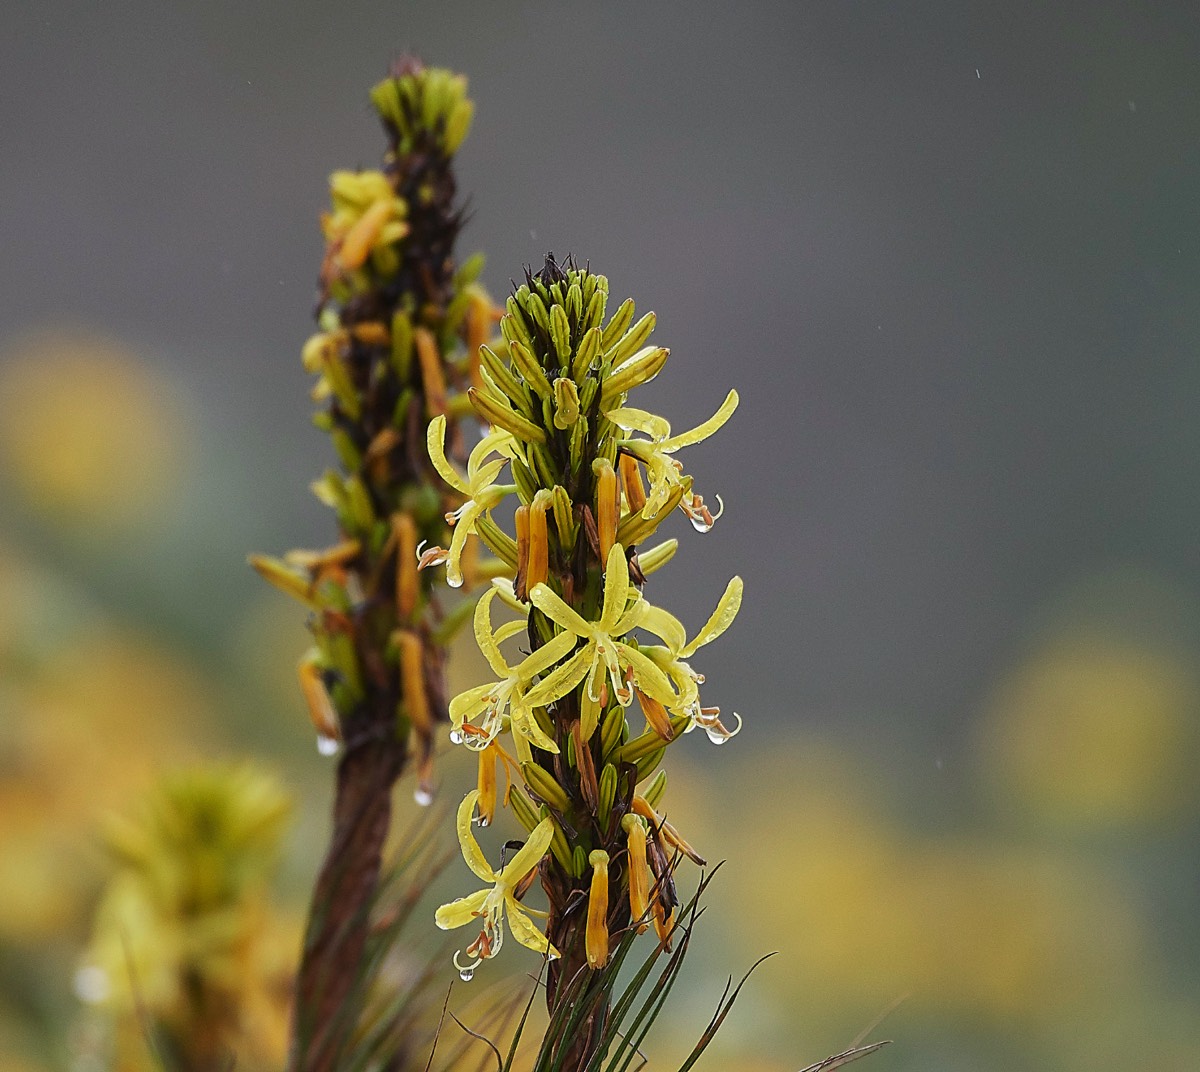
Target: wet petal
{"points": [[435, 441], [702, 431], [529, 855], [471, 851], [721, 619], [461, 912]]}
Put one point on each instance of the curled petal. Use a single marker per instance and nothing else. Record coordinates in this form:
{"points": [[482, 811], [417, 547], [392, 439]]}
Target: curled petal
{"points": [[435, 441], [471, 851], [702, 431], [721, 619]]}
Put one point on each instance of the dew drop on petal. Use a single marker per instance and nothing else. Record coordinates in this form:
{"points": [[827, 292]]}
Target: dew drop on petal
{"points": [[423, 795], [328, 746]]}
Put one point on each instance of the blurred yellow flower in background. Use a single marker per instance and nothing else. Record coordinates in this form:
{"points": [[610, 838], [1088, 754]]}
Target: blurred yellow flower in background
{"points": [[91, 434], [186, 936], [1096, 732], [88, 714]]}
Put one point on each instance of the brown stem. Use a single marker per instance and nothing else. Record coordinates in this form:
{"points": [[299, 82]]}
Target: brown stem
{"points": [[339, 918]]}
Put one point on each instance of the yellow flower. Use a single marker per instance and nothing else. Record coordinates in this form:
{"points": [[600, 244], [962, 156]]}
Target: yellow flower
{"points": [[671, 658], [621, 611], [655, 453], [490, 905], [479, 486], [491, 700]]}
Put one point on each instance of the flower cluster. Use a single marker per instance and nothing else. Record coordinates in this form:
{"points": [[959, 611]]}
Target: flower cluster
{"points": [[593, 480], [399, 326]]}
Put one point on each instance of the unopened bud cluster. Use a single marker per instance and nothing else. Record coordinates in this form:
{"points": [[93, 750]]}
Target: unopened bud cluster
{"points": [[398, 328], [592, 479]]}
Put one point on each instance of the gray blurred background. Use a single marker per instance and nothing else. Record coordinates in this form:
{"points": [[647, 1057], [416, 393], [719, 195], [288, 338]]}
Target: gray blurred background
{"points": [[946, 252]]}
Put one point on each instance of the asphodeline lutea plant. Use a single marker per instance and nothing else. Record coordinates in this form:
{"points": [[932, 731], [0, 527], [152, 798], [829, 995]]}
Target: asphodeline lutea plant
{"points": [[593, 479], [400, 327]]}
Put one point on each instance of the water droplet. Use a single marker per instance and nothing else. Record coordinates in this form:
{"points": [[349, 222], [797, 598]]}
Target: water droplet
{"points": [[328, 746], [456, 737], [716, 736], [91, 984], [423, 795], [466, 975], [699, 524], [484, 821]]}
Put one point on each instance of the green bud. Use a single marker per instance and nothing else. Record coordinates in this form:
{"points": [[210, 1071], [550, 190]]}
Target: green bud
{"points": [[589, 350], [593, 316], [520, 804], [620, 321], [653, 792], [563, 518], [566, 402], [640, 368], [630, 341], [608, 791], [648, 764], [574, 302], [542, 784], [458, 125], [496, 540], [610, 730], [635, 528], [560, 331], [527, 485], [658, 556], [501, 416], [527, 365], [579, 861], [536, 308], [512, 326], [558, 842], [456, 313], [502, 377]]}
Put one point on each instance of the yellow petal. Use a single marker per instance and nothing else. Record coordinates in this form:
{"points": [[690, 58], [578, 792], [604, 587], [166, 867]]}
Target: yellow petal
{"points": [[525, 931], [616, 588], [721, 619], [435, 441], [461, 912], [562, 679], [529, 855], [484, 636], [471, 851], [542, 597], [702, 431]]}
